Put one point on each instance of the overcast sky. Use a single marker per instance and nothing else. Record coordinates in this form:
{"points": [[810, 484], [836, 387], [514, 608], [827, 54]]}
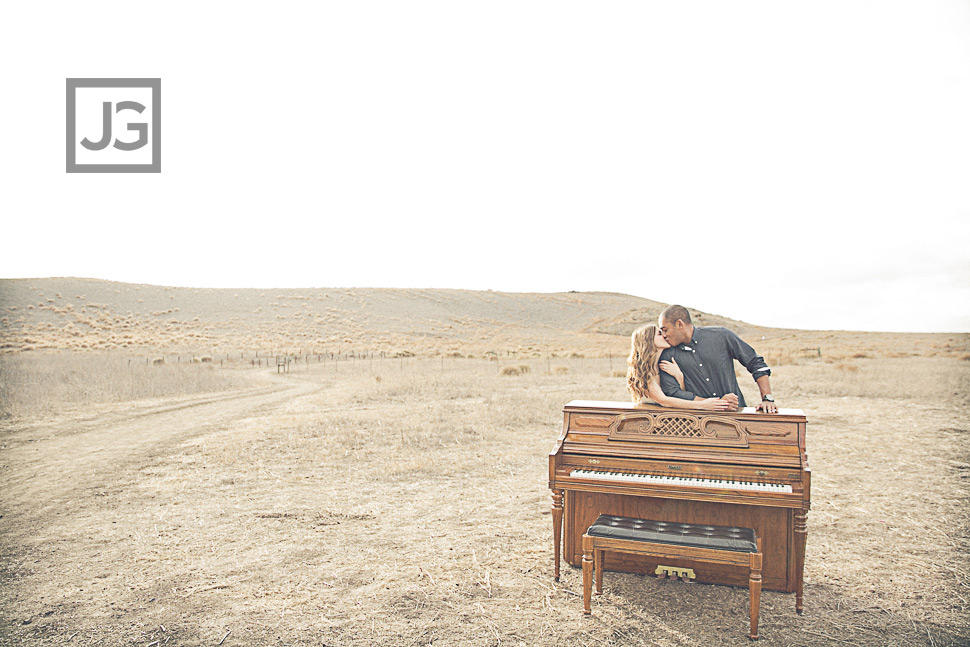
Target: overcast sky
{"points": [[789, 164]]}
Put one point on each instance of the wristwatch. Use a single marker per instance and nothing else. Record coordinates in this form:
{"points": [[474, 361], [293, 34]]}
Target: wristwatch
{"points": [[767, 397]]}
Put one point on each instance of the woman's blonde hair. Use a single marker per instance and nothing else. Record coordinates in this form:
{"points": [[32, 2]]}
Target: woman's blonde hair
{"points": [[642, 362]]}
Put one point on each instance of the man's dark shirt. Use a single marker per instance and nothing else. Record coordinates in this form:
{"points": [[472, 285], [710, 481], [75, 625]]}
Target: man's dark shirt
{"points": [[708, 365]]}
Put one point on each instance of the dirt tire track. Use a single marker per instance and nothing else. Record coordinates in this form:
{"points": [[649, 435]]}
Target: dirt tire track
{"points": [[90, 454]]}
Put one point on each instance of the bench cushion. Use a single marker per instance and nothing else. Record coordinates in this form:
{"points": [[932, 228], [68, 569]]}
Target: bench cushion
{"points": [[742, 540]]}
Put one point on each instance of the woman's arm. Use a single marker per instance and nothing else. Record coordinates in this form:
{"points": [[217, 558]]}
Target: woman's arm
{"points": [[710, 404]]}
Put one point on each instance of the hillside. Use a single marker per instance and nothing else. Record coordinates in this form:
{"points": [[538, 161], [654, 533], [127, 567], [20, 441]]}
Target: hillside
{"points": [[89, 314]]}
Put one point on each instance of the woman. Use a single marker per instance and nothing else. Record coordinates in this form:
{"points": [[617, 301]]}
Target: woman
{"points": [[643, 374]]}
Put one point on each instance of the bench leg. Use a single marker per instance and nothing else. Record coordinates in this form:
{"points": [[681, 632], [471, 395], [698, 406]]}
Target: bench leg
{"points": [[754, 592], [587, 572], [598, 570]]}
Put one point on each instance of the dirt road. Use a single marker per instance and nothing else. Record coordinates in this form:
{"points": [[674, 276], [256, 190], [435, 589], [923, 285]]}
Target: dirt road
{"points": [[60, 475], [50, 462]]}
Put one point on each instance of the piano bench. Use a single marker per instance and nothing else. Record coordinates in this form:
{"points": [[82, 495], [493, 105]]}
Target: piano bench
{"points": [[675, 541]]}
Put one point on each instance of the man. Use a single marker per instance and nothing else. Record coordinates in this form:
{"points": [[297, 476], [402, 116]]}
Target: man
{"points": [[706, 357]]}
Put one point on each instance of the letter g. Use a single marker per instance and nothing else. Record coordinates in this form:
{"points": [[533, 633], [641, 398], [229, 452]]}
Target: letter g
{"points": [[140, 128]]}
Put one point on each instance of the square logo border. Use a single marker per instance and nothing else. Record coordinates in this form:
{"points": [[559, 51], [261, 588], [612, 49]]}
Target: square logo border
{"points": [[156, 87]]}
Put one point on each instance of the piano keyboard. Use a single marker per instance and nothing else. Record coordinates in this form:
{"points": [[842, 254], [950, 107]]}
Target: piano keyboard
{"points": [[680, 481]]}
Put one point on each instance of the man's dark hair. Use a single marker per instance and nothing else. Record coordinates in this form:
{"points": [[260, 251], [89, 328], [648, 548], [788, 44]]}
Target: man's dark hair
{"points": [[675, 312]]}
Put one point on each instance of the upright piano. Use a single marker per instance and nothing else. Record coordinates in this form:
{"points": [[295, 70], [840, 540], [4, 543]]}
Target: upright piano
{"points": [[743, 468]]}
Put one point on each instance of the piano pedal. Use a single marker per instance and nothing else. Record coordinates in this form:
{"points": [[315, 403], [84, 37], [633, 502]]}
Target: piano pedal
{"points": [[674, 573]]}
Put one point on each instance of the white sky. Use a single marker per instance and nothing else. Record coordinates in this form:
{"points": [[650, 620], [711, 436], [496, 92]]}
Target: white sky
{"points": [[790, 164]]}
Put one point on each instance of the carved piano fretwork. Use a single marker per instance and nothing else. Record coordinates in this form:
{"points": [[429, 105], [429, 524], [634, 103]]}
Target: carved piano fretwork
{"points": [[746, 469], [670, 427]]}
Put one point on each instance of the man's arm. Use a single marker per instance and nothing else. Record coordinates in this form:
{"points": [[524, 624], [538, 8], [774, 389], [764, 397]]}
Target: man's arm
{"points": [[752, 361], [755, 364]]}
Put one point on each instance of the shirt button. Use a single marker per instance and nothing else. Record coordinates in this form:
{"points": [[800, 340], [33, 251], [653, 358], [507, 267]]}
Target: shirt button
{"points": [[708, 379], [700, 365]]}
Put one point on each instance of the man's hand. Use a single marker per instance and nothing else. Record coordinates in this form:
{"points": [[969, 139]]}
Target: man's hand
{"points": [[767, 407], [732, 399]]}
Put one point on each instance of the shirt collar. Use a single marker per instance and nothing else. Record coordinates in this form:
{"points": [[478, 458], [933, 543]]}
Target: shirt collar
{"points": [[690, 344]]}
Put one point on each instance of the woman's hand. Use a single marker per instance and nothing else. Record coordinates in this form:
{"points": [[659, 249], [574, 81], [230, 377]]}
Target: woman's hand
{"points": [[671, 368], [716, 404], [732, 399]]}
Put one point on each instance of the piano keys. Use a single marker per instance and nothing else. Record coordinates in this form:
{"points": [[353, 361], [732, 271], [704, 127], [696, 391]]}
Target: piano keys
{"points": [[661, 480], [742, 468]]}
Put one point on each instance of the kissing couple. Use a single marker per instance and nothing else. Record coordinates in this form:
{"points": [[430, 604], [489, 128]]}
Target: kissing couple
{"points": [[675, 364]]}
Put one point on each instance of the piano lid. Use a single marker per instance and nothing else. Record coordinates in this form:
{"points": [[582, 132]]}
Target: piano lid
{"points": [[629, 406], [641, 431]]}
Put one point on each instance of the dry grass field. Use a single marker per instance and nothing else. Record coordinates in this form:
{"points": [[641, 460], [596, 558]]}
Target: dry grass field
{"points": [[374, 499]]}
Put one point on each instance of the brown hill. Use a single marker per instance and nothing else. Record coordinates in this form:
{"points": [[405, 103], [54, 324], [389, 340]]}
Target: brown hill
{"points": [[90, 314]]}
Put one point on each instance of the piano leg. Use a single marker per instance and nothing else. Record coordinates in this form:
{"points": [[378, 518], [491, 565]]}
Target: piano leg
{"points": [[557, 496], [587, 572], [801, 534], [754, 591]]}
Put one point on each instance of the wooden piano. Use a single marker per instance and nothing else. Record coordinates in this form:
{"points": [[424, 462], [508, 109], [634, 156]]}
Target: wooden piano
{"points": [[742, 468]]}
